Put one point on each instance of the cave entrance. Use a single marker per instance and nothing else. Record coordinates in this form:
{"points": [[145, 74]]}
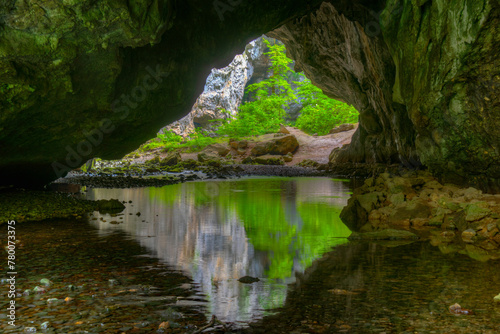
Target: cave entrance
{"points": [[257, 96]]}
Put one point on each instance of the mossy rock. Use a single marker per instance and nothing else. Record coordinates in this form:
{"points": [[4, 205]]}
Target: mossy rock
{"points": [[172, 158], [269, 160]]}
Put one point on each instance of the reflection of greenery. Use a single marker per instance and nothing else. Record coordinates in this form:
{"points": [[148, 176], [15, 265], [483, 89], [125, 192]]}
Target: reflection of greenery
{"points": [[322, 229], [264, 206]]}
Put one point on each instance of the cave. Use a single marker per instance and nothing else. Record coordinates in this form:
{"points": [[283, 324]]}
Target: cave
{"points": [[97, 79], [195, 246]]}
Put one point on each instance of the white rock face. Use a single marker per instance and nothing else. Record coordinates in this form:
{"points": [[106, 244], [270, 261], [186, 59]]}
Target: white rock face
{"points": [[224, 90]]}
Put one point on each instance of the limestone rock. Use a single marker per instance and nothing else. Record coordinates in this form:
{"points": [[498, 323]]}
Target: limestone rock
{"points": [[241, 144], [468, 235], [278, 146], [399, 71], [110, 206], [341, 128], [284, 130], [269, 160], [223, 92]]}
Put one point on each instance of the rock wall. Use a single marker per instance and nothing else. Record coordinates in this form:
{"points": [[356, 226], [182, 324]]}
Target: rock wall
{"points": [[83, 79], [338, 56], [224, 90]]}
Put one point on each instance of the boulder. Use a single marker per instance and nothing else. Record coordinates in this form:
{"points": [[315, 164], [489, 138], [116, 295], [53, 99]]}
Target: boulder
{"points": [[220, 149], [288, 157], [276, 146], [171, 159], [110, 206], [205, 156], [238, 144], [476, 212], [284, 130], [269, 160], [309, 163]]}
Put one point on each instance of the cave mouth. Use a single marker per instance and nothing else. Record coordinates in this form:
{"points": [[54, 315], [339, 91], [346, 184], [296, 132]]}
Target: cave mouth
{"points": [[257, 93]]}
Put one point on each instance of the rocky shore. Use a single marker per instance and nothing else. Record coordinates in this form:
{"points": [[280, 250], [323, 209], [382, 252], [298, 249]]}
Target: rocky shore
{"points": [[455, 219]]}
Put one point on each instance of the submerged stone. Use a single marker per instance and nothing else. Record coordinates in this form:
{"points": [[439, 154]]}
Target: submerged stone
{"points": [[248, 279]]}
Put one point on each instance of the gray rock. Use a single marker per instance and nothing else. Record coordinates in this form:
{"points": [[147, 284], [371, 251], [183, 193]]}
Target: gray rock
{"points": [[223, 92], [248, 279], [280, 146]]}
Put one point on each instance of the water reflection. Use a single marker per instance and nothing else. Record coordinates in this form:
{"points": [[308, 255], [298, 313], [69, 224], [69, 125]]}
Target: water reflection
{"points": [[377, 288], [219, 231]]}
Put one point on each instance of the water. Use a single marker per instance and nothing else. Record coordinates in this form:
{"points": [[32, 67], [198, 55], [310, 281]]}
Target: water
{"points": [[176, 252], [219, 231]]}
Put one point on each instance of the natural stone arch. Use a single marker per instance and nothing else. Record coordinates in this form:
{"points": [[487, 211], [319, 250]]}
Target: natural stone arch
{"points": [[101, 77]]}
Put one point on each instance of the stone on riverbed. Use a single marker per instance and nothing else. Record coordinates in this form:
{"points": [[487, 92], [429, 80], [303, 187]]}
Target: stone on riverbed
{"points": [[172, 159], [248, 279], [110, 206]]}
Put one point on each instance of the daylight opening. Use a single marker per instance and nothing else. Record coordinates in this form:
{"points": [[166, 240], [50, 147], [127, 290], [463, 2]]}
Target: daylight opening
{"points": [[254, 99]]}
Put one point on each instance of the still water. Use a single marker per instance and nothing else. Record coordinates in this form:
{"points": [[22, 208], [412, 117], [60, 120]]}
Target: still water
{"points": [[175, 255], [219, 231]]}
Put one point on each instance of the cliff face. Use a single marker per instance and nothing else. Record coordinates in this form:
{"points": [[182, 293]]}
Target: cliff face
{"points": [[423, 74], [349, 65], [224, 90], [80, 79]]}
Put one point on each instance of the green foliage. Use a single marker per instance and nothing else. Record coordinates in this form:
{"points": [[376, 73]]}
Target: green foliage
{"points": [[263, 115], [167, 140], [170, 141], [320, 113], [271, 97], [255, 118]]}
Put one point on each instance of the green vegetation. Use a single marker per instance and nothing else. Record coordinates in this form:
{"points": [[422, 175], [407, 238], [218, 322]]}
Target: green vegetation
{"points": [[264, 114]]}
